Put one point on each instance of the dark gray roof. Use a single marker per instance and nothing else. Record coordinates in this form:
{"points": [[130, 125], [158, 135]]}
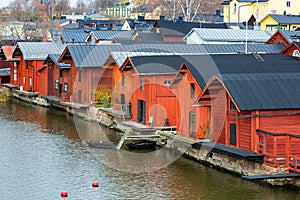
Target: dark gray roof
{"points": [[151, 37], [128, 42], [204, 67], [264, 91], [182, 28], [150, 65], [71, 26], [112, 34], [95, 55], [39, 50], [55, 57], [74, 36], [5, 72], [290, 35], [286, 19]]}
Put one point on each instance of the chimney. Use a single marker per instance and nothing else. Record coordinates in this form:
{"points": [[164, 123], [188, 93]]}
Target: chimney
{"points": [[180, 19]]}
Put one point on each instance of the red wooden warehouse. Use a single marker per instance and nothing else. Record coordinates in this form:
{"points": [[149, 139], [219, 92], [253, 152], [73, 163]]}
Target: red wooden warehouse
{"points": [[32, 56], [258, 112], [57, 76], [150, 94]]}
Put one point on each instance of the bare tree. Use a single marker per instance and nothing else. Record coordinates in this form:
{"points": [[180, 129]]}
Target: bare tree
{"points": [[31, 14], [189, 9]]}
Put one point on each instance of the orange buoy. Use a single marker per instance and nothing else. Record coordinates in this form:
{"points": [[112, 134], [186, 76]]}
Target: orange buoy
{"points": [[64, 194], [95, 184]]}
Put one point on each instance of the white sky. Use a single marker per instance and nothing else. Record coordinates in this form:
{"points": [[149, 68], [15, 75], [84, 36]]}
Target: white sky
{"points": [[4, 3]]}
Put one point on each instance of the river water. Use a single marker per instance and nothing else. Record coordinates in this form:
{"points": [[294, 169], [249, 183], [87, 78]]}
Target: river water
{"points": [[41, 155]]}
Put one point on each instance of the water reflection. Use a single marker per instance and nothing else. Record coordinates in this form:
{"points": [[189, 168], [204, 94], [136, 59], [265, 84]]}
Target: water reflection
{"points": [[38, 161]]}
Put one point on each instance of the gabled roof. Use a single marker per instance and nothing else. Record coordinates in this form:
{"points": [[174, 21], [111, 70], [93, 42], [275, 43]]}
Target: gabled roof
{"points": [[264, 91], [80, 53], [203, 67], [231, 35], [38, 50], [120, 57], [54, 58], [95, 55], [154, 65], [285, 19], [290, 35], [291, 46]]}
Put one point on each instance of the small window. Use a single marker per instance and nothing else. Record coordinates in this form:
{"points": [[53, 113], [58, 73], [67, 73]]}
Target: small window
{"points": [[56, 84], [283, 28], [30, 81], [288, 4], [232, 138], [141, 84], [24, 79], [232, 106], [122, 98], [167, 83], [123, 80], [234, 8], [65, 87], [79, 96], [79, 75], [192, 90], [192, 124], [60, 74]]}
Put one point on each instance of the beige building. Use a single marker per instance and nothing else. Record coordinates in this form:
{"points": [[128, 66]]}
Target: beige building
{"points": [[242, 10]]}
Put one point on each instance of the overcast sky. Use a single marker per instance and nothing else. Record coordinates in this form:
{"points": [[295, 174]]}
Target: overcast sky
{"points": [[4, 3]]}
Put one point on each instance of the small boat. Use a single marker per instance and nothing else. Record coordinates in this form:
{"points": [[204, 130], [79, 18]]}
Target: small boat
{"points": [[101, 144], [141, 145]]}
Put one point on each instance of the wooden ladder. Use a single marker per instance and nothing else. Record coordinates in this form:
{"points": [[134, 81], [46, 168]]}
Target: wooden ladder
{"points": [[123, 138]]}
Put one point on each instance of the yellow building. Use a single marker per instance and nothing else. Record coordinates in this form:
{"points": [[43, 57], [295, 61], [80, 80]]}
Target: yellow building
{"points": [[150, 12], [242, 10], [284, 22]]}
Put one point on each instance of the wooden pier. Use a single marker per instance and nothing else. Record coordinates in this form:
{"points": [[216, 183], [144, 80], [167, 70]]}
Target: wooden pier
{"points": [[272, 176], [139, 132]]}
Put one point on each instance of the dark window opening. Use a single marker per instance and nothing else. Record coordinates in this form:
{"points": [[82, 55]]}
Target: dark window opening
{"points": [[192, 90], [232, 134], [232, 106], [192, 124]]}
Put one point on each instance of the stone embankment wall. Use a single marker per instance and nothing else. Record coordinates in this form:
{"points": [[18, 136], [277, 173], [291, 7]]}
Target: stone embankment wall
{"points": [[230, 164], [3, 95]]}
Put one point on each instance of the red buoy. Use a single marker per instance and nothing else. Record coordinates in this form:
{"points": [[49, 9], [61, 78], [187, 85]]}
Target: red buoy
{"points": [[95, 184], [64, 194]]}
